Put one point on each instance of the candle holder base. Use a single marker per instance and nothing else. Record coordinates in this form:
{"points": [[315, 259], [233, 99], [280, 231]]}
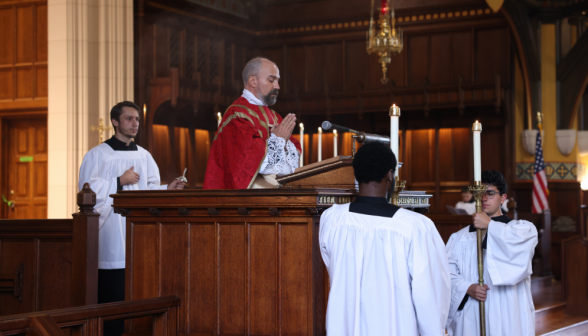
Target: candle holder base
{"points": [[398, 187]]}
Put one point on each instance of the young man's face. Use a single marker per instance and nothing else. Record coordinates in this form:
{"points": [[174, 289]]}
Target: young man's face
{"points": [[466, 196], [492, 201], [128, 123]]}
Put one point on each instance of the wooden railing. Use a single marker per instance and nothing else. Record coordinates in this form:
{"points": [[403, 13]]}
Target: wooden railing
{"points": [[89, 320], [50, 263], [574, 280]]}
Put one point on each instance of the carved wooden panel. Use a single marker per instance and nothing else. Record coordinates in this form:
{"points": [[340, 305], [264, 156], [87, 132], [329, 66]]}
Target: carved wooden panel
{"points": [[15, 251], [23, 55], [232, 272], [54, 277], [45, 248]]}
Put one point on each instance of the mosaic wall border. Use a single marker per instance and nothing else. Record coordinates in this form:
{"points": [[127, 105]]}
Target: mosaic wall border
{"points": [[555, 171]]}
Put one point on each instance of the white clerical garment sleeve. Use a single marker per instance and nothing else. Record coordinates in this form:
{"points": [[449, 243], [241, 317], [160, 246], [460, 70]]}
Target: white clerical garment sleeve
{"points": [[459, 284], [510, 251], [431, 284], [278, 160], [95, 170]]}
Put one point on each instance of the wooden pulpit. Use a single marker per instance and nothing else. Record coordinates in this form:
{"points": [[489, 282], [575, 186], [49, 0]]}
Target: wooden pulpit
{"points": [[336, 172], [243, 262]]}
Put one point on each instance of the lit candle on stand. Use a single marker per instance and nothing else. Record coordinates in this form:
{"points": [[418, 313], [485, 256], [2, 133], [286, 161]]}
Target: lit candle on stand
{"points": [[320, 144], [219, 117], [394, 116], [478, 190], [477, 129], [301, 144], [334, 142]]}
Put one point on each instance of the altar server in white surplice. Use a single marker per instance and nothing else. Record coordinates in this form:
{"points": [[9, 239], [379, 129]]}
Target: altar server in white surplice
{"points": [[387, 266], [508, 249], [117, 164]]}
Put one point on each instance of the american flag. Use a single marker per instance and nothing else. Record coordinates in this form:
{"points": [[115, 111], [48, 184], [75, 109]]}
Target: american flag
{"points": [[540, 191]]}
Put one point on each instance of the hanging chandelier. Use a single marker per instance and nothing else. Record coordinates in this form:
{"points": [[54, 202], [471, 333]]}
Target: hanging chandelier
{"points": [[388, 41]]}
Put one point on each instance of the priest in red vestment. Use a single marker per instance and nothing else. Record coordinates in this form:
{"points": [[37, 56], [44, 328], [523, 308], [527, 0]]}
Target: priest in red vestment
{"points": [[253, 144]]}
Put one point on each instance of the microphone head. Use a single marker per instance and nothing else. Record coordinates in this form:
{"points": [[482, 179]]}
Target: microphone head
{"points": [[326, 125]]}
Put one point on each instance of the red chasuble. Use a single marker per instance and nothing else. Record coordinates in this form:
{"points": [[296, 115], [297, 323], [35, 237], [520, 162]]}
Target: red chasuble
{"points": [[240, 145]]}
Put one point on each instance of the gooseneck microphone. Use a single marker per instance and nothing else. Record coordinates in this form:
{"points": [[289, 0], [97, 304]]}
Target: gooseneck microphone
{"points": [[360, 137], [328, 126]]}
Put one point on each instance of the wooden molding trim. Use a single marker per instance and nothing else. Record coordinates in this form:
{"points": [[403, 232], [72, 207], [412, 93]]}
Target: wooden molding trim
{"points": [[458, 14]]}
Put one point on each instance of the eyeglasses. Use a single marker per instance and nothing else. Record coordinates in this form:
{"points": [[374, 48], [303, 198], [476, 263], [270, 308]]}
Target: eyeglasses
{"points": [[490, 194]]}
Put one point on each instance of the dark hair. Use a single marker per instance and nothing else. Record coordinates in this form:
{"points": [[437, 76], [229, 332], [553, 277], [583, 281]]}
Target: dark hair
{"points": [[372, 162], [465, 190], [494, 178], [116, 110]]}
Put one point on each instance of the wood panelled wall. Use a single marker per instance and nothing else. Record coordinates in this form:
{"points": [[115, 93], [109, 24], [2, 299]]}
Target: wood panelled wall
{"points": [[332, 76], [23, 55]]}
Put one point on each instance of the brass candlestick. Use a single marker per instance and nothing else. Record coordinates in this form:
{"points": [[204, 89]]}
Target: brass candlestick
{"points": [[478, 190], [398, 187]]}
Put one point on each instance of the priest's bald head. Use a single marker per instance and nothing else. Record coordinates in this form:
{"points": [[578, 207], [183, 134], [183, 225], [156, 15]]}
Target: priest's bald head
{"points": [[261, 77]]}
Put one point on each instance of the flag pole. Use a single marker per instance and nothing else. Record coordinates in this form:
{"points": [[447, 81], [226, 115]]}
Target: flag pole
{"points": [[478, 190]]}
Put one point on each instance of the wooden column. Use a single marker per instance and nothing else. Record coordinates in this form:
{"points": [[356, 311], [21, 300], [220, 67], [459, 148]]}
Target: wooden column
{"points": [[85, 250]]}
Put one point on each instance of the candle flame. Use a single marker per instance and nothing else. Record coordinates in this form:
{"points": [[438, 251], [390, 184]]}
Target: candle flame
{"points": [[335, 132], [476, 122], [144, 108], [301, 125], [320, 130]]}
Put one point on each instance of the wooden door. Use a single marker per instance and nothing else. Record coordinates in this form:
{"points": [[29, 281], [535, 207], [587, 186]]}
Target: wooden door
{"points": [[27, 168]]}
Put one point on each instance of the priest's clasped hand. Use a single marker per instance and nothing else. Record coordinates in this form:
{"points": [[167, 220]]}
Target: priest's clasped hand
{"points": [[285, 128], [129, 177], [478, 292], [481, 220]]}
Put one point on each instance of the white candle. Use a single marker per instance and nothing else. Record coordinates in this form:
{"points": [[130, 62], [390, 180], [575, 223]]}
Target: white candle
{"points": [[320, 144], [394, 116], [334, 142], [477, 129], [219, 117], [301, 144]]}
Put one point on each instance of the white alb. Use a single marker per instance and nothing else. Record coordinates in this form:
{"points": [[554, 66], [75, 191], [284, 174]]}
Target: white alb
{"points": [[388, 276], [101, 167]]}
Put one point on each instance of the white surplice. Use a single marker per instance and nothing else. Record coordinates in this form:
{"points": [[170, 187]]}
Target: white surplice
{"points": [[507, 272], [101, 167], [388, 276]]}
